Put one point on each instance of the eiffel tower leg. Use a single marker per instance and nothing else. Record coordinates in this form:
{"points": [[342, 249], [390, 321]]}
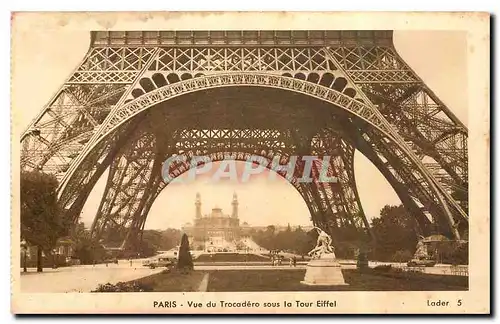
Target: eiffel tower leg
{"points": [[75, 194], [150, 193], [343, 165], [129, 175], [392, 174], [341, 196], [310, 197], [434, 139], [59, 133], [327, 212], [137, 228], [351, 191]]}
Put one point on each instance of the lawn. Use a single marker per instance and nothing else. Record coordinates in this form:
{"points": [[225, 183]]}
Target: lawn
{"points": [[173, 281], [289, 280]]}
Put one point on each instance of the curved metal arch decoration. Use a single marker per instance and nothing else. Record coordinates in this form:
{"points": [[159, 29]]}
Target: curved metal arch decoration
{"points": [[218, 156], [206, 82], [125, 112]]}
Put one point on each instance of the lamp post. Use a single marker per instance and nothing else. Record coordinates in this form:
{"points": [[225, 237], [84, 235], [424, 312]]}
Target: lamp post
{"points": [[54, 259], [24, 247]]}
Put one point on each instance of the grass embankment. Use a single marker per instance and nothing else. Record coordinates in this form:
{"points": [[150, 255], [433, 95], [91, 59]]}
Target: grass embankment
{"points": [[231, 257], [173, 281]]}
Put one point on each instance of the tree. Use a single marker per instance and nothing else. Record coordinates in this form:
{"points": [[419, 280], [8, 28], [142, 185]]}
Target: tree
{"points": [[170, 238], [271, 229], [299, 241], [147, 249], [395, 230], [304, 241], [160, 240], [114, 234], [42, 222], [87, 249], [402, 256], [150, 243], [185, 261]]}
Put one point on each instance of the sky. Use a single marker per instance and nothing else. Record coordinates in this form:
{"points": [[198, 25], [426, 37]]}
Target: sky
{"points": [[44, 59]]}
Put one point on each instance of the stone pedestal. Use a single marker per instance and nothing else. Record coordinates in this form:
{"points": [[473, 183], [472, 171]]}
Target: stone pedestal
{"points": [[325, 271]]}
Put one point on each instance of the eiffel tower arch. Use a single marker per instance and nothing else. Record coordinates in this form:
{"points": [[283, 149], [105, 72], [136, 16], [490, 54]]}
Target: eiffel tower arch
{"points": [[140, 97]]}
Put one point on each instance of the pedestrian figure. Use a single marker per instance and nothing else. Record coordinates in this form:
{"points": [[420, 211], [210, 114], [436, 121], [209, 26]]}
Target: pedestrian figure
{"points": [[291, 262], [294, 261]]}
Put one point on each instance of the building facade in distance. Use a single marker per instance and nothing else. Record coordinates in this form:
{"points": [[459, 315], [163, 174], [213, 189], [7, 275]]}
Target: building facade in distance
{"points": [[216, 230]]}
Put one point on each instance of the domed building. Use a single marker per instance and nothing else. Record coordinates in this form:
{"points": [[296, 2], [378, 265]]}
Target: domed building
{"points": [[216, 230]]}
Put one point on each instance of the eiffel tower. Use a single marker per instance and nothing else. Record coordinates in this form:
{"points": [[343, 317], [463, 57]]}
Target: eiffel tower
{"points": [[139, 97]]}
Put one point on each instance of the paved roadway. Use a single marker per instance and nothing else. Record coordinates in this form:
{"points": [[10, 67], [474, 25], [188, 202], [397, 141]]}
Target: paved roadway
{"points": [[441, 269], [82, 278]]}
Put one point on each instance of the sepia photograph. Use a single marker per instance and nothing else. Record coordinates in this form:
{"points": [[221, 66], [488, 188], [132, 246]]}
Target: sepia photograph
{"points": [[216, 169]]}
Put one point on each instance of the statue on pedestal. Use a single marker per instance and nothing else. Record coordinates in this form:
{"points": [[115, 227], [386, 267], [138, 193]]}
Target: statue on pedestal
{"points": [[421, 252], [323, 269], [323, 245]]}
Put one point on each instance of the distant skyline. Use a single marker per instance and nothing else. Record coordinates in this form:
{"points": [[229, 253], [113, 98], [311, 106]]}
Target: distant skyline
{"points": [[47, 57]]}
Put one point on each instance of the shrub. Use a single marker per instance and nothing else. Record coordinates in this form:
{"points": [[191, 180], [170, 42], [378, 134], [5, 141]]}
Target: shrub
{"points": [[185, 261], [123, 287], [383, 268], [402, 256]]}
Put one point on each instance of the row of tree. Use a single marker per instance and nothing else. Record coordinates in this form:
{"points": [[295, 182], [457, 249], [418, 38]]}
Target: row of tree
{"points": [[297, 241], [395, 231]]}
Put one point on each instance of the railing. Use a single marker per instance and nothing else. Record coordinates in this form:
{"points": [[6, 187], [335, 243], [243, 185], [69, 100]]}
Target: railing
{"points": [[413, 269], [459, 270], [240, 37]]}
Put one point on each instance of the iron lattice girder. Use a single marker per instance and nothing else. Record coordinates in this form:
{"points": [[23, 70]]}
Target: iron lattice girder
{"points": [[128, 178], [421, 121], [116, 65], [354, 70], [72, 116], [67, 124], [72, 199], [206, 139], [413, 109], [414, 191]]}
